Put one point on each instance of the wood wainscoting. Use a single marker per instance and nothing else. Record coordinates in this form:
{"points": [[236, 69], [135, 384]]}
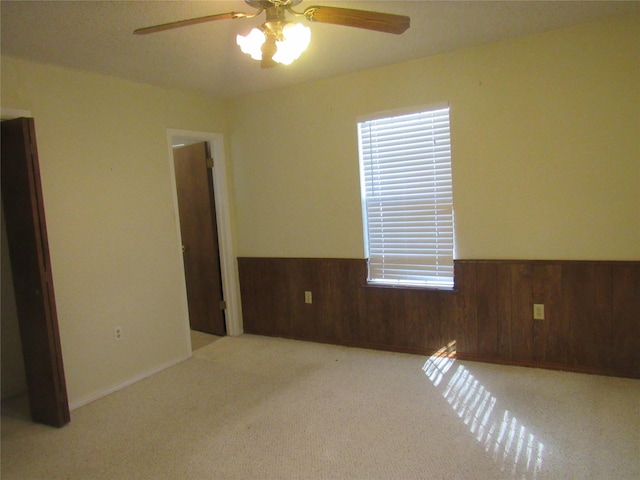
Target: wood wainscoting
{"points": [[592, 310]]}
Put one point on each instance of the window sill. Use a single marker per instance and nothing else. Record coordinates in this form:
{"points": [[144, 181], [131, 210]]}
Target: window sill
{"points": [[445, 290]]}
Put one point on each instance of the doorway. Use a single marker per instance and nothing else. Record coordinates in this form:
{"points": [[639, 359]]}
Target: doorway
{"points": [[217, 178], [26, 234], [193, 165]]}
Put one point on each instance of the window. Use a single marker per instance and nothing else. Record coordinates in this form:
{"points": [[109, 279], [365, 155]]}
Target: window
{"points": [[407, 200]]}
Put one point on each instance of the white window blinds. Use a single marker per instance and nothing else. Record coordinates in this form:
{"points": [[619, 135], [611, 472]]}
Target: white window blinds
{"points": [[407, 201]]}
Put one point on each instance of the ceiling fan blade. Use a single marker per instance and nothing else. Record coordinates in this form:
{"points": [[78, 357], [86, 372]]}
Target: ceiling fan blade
{"points": [[378, 21], [191, 21]]}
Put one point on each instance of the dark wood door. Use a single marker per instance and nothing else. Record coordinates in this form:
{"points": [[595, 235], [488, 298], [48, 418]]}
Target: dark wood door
{"points": [[33, 282], [194, 184]]}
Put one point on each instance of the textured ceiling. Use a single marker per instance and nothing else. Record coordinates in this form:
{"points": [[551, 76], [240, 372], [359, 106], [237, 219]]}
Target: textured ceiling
{"points": [[97, 36]]}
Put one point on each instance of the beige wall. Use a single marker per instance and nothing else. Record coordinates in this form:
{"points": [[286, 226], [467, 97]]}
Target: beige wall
{"points": [[545, 139], [110, 215]]}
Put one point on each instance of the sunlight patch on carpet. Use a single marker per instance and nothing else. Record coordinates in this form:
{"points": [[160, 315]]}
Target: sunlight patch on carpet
{"points": [[502, 435]]}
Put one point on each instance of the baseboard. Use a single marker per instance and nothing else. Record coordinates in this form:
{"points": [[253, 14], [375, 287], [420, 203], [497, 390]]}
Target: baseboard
{"points": [[465, 356], [103, 393], [548, 366], [366, 345]]}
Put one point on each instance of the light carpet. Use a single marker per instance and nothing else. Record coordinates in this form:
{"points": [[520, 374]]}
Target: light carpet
{"points": [[200, 339], [253, 407]]}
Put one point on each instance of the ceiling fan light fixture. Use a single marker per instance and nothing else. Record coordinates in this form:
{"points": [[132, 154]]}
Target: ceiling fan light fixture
{"points": [[252, 44], [291, 39], [279, 41]]}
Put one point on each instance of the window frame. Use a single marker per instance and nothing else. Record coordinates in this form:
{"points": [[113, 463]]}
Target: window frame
{"points": [[449, 283]]}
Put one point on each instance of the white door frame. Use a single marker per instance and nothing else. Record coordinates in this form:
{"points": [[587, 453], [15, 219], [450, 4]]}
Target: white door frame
{"points": [[228, 265]]}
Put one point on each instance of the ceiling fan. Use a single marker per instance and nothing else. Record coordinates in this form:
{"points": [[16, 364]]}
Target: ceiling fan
{"points": [[279, 41]]}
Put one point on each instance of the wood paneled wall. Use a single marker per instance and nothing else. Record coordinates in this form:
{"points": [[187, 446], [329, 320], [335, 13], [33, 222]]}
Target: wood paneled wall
{"points": [[592, 314], [592, 310], [344, 310]]}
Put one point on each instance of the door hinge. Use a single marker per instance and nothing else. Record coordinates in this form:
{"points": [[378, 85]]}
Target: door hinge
{"points": [[223, 305], [209, 162]]}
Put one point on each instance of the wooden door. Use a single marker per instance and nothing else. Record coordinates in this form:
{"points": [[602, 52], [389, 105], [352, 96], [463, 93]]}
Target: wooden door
{"points": [[196, 205], [33, 282]]}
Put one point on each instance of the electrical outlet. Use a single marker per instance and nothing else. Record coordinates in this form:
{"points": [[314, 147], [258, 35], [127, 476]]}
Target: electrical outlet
{"points": [[118, 333], [538, 311], [308, 297]]}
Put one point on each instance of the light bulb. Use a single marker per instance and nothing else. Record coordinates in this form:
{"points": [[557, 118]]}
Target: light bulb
{"points": [[252, 43], [296, 38]]}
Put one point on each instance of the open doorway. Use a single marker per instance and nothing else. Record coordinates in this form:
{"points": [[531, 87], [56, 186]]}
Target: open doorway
{"points": [[214, 144], [192, 165], [32, 279], [14, 396]]}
